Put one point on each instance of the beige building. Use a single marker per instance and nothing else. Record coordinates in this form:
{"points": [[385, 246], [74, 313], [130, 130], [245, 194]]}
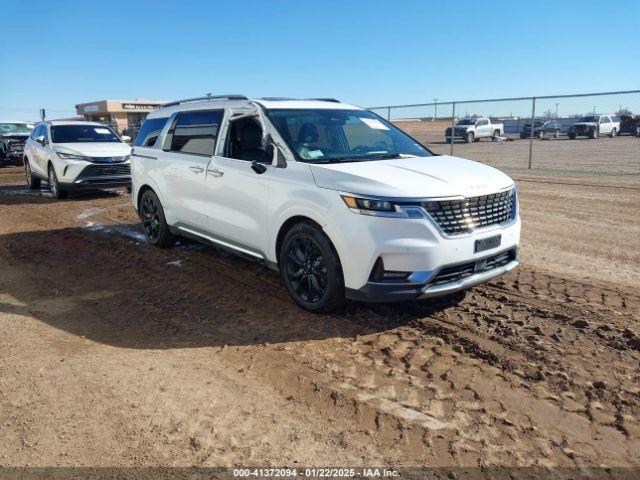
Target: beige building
{"points": [[124, 116]]}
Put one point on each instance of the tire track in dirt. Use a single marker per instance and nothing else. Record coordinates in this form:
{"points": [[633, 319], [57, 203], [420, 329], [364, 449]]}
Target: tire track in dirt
{"points": [[446, 381]]}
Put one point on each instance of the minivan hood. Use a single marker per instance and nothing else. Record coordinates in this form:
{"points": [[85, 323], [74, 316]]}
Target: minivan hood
{"points": [[95, 149], [437, 176]]}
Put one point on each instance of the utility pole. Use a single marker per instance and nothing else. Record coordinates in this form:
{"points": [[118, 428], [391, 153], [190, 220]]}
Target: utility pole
{"points": [[556, 110], [435, 108]]}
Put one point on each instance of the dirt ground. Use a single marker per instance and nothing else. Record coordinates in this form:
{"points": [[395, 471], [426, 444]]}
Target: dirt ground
{"points": [[114, 353]]}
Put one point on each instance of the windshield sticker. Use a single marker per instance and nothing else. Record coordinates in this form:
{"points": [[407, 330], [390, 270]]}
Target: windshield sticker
{"points": [[375, 123], [103, 131], [315, 153]]}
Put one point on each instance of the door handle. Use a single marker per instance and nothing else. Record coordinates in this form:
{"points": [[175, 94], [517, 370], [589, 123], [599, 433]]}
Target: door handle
{"points": [[215, 172], [196, 169]]}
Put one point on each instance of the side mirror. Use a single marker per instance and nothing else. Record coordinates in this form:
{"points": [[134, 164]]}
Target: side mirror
{"points": [[41, 140], [126, 138], [276, 154]]}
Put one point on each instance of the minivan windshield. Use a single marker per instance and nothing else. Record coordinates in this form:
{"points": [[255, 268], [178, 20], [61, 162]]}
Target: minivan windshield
{"points": [[82, 134], [339, 135], [9, 128], [590, 119]]}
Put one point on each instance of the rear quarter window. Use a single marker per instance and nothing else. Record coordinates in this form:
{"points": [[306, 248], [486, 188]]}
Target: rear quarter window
{"points": [[150, 131]]}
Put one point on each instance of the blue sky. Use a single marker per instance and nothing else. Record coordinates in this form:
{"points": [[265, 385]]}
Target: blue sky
{"points": [[55, 54]]}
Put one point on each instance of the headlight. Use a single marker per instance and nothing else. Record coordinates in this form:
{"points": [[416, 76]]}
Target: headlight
{"points": [[72, 156], [371, 206]]}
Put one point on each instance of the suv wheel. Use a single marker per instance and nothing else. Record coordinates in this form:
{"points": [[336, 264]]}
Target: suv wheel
{"points": [[54, 185], [572, 135], [470, 137], [496, 134], [556, 134], [593, 133], [311, 269], [32, 181], [541, 134], [613, 133], [153, 221]]}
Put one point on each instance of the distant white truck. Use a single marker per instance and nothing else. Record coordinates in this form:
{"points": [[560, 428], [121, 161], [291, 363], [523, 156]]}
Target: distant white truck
{"points": [[472, 129]]}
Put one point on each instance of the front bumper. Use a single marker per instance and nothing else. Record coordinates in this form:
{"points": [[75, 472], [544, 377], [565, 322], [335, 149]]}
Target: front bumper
{"points": [[97, 183], [81, 175], [389, 292], [417, 246]]}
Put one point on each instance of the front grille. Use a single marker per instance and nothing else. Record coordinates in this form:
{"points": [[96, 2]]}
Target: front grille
{"points": [[108, 170], [465, 215], [459, 272], [108, 159]]}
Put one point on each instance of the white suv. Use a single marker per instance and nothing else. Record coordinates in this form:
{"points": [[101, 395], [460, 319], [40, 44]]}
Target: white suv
{"points": [[339, 200], [74, 155]]}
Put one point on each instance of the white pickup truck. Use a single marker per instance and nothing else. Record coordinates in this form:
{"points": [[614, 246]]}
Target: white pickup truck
{"points": [[473, 129]]}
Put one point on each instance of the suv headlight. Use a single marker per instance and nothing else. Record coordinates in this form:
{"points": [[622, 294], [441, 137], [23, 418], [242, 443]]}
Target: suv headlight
{"points": [[379, 207], [72, 156]]}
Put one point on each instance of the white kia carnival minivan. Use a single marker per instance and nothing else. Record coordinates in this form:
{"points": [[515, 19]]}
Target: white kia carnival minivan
{"points": [[338, 200]]}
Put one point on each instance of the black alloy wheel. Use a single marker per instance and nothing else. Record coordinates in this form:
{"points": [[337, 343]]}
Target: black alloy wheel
{"points": [[311, 270], [153, 221]]}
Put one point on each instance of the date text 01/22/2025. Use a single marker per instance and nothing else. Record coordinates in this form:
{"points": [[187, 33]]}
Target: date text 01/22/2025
{"points": [[315, 473]]}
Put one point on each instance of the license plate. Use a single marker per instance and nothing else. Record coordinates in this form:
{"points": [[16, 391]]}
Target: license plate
{"points": [[487, 243]]}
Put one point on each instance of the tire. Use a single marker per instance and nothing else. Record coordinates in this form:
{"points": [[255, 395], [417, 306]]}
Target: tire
{"points": [[33, 182], [310, 269], [556, 134], [496, 134], [54, 185], [571, 135], [541, 134], [613, 133], [593, 133], [154, 224], [448, 140], [471, 137]]}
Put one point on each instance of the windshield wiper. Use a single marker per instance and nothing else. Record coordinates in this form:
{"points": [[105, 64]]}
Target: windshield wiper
{"points": [[361, 158]]}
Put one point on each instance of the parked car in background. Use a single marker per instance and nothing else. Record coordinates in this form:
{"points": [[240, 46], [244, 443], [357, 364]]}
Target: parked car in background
{"points": [[72, 155], [13, 135], [337, 199], [593, 126], [541, 129], [473, 129], [629, 125]]}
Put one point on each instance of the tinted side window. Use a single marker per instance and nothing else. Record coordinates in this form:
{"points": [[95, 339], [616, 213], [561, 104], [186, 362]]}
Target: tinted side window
{"points": [[37, 132], [196, 132], [150, 131], [604, 119]]}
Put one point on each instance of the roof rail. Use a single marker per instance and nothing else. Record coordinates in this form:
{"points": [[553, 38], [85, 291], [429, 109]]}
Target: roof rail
{"points": [[326, 100], [208, 97]]}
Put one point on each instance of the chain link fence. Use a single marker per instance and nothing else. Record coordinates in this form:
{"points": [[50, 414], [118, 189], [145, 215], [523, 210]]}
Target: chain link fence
{"points": [[594, 134]]}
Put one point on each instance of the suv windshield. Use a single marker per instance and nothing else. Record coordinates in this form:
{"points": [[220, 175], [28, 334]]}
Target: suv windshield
{"points": [[82, 134], [8, 128], [589, 118], [467, 121], [328, 135]]}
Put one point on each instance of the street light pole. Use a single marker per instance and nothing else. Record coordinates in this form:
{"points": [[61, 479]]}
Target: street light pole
{"points": [[435, 108]]}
